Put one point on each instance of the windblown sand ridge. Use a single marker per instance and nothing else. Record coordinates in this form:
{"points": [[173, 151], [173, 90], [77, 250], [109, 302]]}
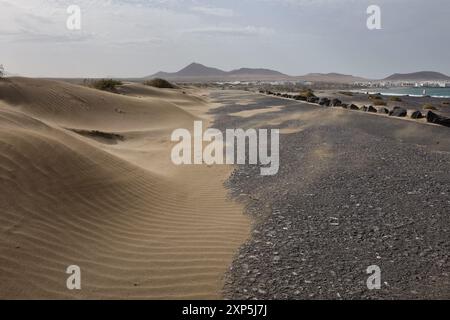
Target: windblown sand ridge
{"points": [[138, 226]]}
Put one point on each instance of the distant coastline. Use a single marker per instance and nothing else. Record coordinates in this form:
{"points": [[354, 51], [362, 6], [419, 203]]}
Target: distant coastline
{"points": [[418, 92]]}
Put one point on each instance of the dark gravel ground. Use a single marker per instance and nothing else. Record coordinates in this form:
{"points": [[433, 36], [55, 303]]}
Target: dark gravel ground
{"points": [[353, 190]]}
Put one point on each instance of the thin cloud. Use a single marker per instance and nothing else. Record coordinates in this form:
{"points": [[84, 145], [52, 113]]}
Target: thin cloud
{"points": [[233, 31], [219, 12], [138, 42], [50, 38]]}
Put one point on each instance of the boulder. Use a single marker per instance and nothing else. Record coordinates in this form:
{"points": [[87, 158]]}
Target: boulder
{"points": [[371, 109], [437, 119], [398, 112], [417, 115], [300, 97], [344, 105], [336, 103], [353, 107], [383, 110], [325, 102], [313, 99]]}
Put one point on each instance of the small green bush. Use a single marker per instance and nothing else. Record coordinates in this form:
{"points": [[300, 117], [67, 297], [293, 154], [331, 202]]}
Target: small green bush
{"points": [[395, 99], [378, 102], [159, 83], [307, 93], [375, 97], [429, 106], [104, 84]]}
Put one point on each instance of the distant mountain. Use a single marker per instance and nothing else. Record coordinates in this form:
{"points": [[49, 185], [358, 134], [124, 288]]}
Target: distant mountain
{"points": [[331, 77], [198, 72], [256, 72], [418, 76]]}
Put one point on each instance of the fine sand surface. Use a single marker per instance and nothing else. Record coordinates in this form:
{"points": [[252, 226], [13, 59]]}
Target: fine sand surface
{"points": [[86, 179]]}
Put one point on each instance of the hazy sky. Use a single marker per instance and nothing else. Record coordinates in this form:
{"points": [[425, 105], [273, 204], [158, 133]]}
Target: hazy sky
{"points": [[140, 37]]}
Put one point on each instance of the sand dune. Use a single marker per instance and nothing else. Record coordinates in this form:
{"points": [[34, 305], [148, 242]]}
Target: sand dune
{"points": [[138, 226]]}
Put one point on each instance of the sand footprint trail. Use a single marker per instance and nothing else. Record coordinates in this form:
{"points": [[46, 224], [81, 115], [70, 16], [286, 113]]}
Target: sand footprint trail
{"points": [[137, 226]]}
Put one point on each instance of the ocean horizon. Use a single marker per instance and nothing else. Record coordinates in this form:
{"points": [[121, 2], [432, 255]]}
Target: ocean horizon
{"points": [[411, 91]]}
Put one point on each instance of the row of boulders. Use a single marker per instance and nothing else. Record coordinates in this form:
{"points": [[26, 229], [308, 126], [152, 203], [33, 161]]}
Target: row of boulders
{"points": [[299, 97], [369, 109], [395, 112]]}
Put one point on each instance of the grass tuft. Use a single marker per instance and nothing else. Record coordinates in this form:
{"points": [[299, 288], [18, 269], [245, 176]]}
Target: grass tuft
{"points": [[429, 106], [395, 99], [160, 83], [104, 84]]}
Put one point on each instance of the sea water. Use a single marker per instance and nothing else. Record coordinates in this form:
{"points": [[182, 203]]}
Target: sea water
{"points": [[411, 91]]}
